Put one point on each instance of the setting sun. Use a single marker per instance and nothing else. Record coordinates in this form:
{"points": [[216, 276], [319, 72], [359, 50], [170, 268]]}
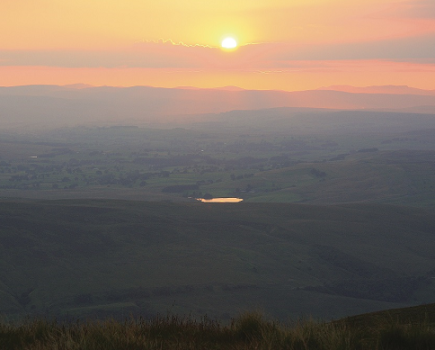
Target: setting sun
{"points": [[264, 44], [229, 43]]}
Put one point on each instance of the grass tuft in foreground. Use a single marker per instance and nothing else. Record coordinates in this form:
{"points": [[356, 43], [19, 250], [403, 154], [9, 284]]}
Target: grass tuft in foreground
{"points": [[248, 331]]}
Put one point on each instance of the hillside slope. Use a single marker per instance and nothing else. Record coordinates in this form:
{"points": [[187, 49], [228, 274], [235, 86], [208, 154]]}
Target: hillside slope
{"points": [[83, 258]]}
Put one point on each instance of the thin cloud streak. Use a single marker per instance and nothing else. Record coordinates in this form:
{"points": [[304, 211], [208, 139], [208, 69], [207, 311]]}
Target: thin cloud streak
{"points": [[250, 57], [306, 42]]}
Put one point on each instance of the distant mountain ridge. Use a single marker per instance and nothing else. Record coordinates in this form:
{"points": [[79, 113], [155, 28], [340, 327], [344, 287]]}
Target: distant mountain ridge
{"points": [[385, 89], [50, 105]]}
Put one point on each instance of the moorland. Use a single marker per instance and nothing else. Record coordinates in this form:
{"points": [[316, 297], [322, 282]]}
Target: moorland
{"points": [[404, 329], [100, 218]]}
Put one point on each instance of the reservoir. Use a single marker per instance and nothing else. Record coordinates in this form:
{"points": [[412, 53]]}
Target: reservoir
{"points": [[220, 200]]}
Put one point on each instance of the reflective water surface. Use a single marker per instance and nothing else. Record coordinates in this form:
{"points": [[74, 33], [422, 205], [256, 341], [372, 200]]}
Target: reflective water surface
{"points": [[221, 200]]}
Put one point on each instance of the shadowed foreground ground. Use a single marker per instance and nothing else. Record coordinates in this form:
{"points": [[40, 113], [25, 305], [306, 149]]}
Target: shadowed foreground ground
{"points": [[410, 328]]}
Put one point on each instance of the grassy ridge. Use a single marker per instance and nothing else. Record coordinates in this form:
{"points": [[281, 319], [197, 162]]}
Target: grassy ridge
{"points": [[408, 329], [99, 258]]}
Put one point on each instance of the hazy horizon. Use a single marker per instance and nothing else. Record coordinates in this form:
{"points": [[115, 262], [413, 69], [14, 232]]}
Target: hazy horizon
{"points": [[388, 88], [42, 106]]}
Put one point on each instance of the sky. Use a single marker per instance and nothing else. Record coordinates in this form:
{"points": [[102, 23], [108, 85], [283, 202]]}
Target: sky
{"points": [[283, 44]]}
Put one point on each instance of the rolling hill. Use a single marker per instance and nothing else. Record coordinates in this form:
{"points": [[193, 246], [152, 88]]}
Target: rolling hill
{"points": [[98, 258]]}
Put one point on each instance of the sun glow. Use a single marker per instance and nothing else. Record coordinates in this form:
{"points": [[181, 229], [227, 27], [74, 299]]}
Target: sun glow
{"points": [[229, 43]]}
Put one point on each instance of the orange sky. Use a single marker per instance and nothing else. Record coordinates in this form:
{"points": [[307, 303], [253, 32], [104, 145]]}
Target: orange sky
{"points": [[288, 45]]}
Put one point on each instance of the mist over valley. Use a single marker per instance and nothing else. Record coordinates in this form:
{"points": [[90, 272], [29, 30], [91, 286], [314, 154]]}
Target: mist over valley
{"points": [[100, 218]]}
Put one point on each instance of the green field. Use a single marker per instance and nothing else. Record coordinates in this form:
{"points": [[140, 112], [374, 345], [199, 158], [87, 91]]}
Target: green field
{"points": [[135, 163]]}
